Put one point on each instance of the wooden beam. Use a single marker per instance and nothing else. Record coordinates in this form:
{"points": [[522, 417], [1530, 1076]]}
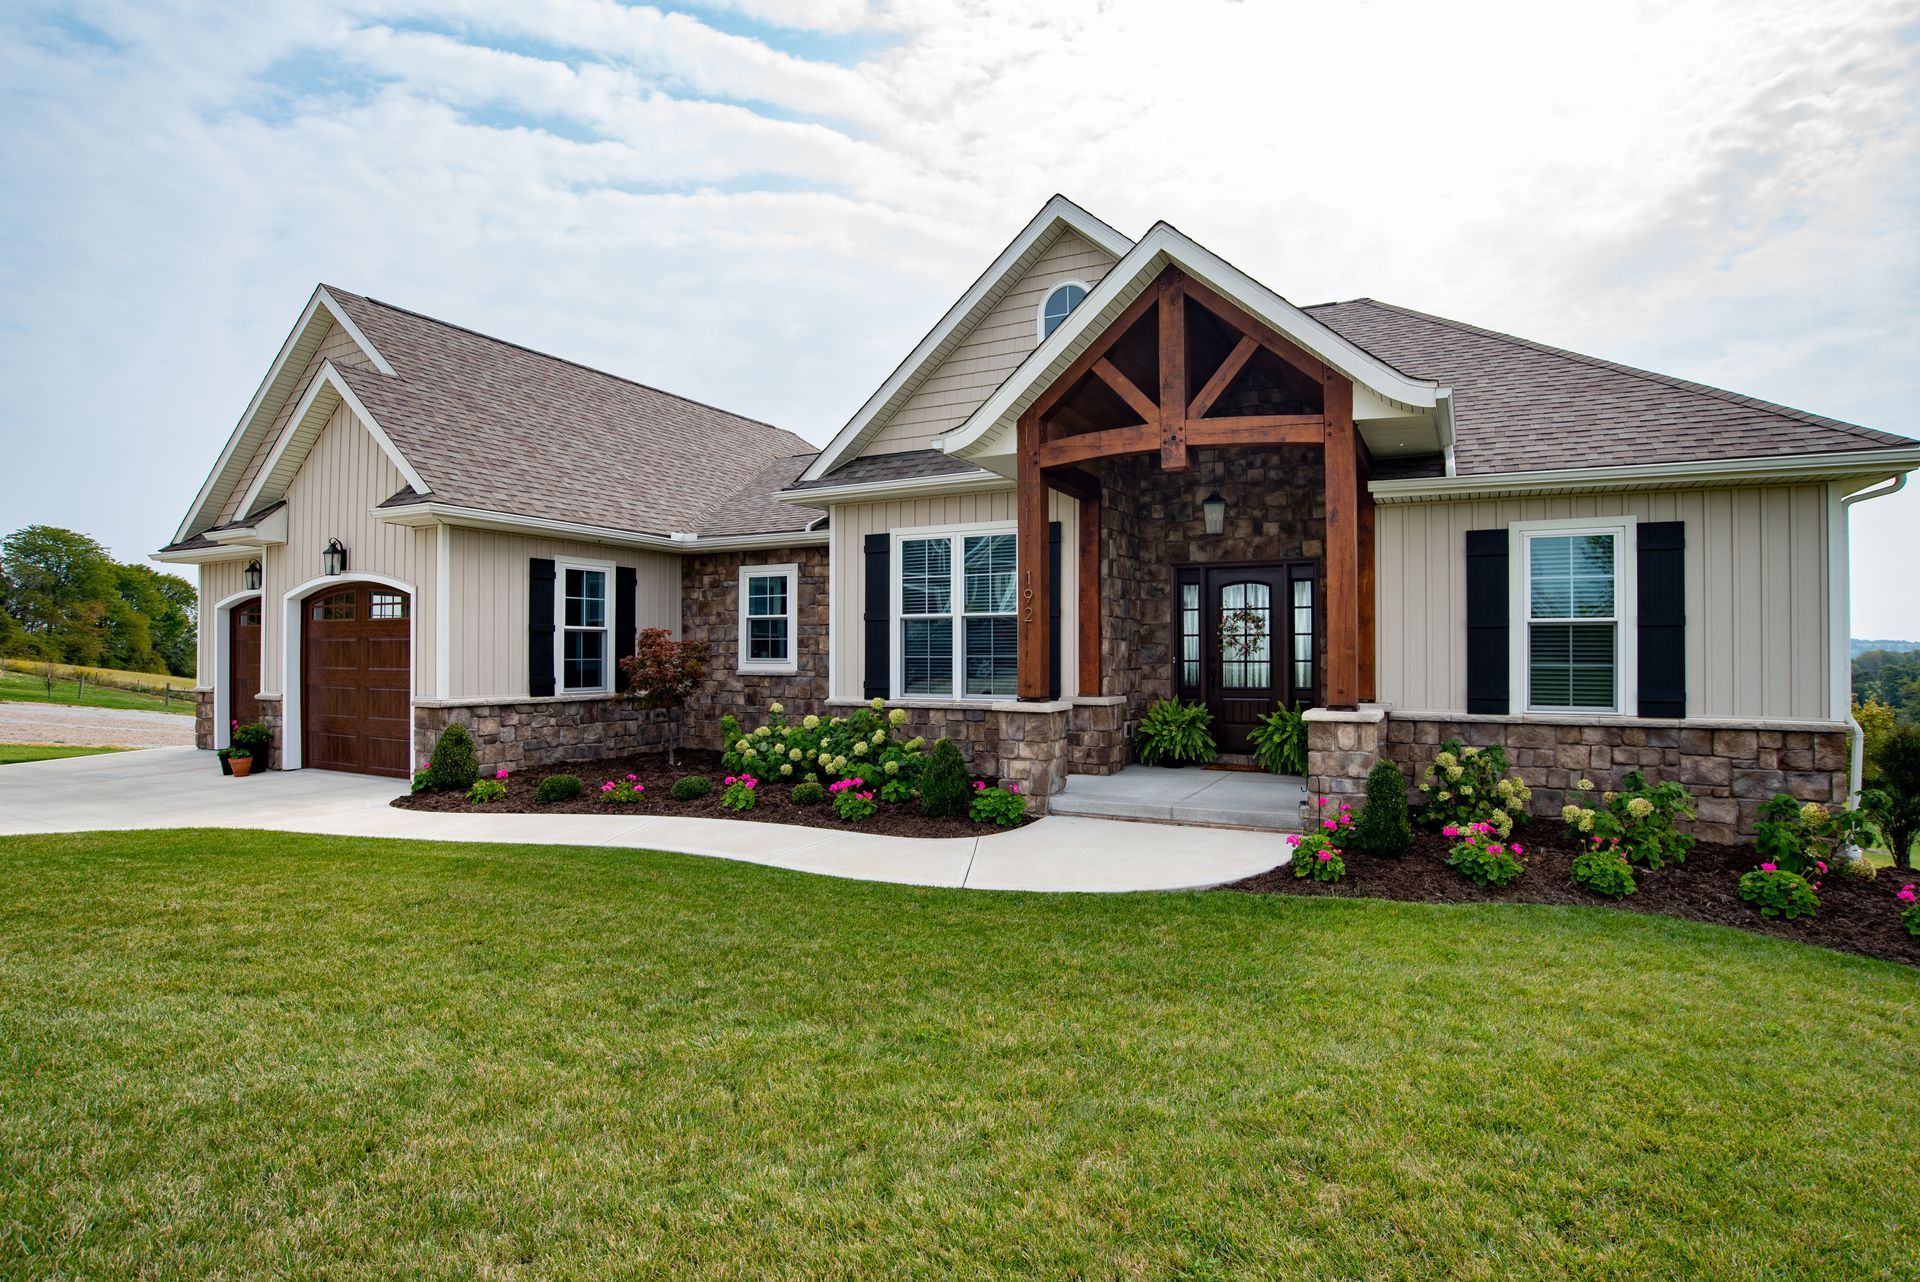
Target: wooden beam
{"points": [[1173, 372], [1084, 362], [1343, 546], [1248, 324], [1236, 361], [1137, 401], [1075, 483], [1369, 691], [1140, 439], [1030, 508], [1262, 429], [1091, 600]]}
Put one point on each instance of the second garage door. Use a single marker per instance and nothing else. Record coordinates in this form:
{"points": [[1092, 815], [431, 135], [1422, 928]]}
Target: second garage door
{"points": [[354, 663]]}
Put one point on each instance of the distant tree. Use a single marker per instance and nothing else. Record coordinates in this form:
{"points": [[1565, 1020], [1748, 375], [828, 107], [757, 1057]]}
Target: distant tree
{"points": [[65, 600], [1876, 722], [50, 574], [1890, 677]]}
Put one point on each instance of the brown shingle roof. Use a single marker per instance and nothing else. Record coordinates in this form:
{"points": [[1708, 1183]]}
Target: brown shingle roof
{"points": [[754, 510], [492, 425], [1521, 406], [900, 466]]}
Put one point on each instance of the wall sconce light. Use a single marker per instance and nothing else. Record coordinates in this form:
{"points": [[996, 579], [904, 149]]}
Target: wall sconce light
{"points": [[253, 575], [1214, 509], [334, 558]]}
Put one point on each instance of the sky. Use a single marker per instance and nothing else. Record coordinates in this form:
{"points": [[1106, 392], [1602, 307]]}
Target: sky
{"points": [[765, 203]]}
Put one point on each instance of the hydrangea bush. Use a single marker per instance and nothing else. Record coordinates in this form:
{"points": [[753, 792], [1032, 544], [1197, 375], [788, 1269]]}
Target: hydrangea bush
{"points": [[1805, 839], [1483, 856], [1467, 785], [1640, 819], [814, 749]]}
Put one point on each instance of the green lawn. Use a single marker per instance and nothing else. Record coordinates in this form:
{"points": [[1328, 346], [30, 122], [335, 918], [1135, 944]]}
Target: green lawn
{"points": [[16, 752], [235, 1055], [25, 687]]}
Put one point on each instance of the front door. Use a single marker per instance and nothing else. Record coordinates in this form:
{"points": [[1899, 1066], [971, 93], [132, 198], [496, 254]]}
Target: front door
{"points": [[1245, 643], [243, 663]]}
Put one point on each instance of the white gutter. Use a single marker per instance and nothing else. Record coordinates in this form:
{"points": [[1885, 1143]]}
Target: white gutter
{"points": [[478, 518], [1843, 657], [905, 487], [1700, 472]]}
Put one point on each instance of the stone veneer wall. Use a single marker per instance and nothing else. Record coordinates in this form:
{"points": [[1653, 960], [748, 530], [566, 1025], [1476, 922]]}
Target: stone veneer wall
{"points": [[710, 614], [272, 718], [543, 732], [1027, 744], [1151, 521], [203, 719], [1730, 770]]}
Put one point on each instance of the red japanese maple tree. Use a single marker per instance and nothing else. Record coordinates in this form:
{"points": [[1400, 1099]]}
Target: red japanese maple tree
{"points": [[664, 673]]}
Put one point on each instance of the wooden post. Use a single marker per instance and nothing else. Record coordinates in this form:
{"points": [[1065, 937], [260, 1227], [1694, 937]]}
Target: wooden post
{"points": [[1030, 503], [1173, 374], [1343, 546]]}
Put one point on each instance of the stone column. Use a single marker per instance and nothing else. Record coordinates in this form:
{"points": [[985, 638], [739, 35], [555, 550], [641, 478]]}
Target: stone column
{"points": [[1342, 748]]}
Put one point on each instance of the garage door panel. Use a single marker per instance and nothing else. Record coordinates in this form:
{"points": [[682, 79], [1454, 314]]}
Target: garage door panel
{"points": [[355, 668]]}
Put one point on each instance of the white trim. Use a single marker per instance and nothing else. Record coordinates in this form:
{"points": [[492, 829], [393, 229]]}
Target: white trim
{"points": [[270, 529], [781, 667], [1840, 620], [1770, 469], [834, 589], [956, 589], [1057, 214], [328, 377], [431, 513], [904, 487], [443, 611], [353, 331], [1626, 648], [205, 556], [223, 660], [608, 603], [290, 634], [1040, 311]]}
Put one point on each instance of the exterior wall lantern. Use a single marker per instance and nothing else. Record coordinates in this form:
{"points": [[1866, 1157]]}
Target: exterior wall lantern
{"points": [[334, 558], [253, 575], [1214, 509]]}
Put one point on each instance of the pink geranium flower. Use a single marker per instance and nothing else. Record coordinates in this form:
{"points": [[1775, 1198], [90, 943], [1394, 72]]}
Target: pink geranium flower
{"points": [[1907, 893], [1769, 867], [1014, 788], [1449, 831], [1328, 824], [1518, 851], [499, 774], [1325, 855]]}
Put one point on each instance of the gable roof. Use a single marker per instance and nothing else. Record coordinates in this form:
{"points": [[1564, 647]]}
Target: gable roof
{"points": [[1058, 215], [1523, 406]]}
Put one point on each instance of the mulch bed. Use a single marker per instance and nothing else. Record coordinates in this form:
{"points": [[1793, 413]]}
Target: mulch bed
{"points": [[1856, 915], [775, 804]]}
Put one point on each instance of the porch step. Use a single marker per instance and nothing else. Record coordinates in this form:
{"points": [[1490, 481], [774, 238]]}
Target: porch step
{"points": [[1187, 796]]}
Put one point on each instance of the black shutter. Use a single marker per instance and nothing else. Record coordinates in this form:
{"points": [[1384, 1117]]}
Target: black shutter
{"points": [[539, 627], [1663, 618], [625, 585], [1487, 631], [879, 593], [1053, 609]]}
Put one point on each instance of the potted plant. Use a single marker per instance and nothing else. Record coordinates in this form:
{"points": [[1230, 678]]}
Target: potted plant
{"points": [[225, 754], [250, 743], [240, 762], [1174, 733]]}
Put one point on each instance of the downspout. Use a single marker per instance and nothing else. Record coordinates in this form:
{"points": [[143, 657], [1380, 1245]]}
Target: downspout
{"points": [[1856, 774]]}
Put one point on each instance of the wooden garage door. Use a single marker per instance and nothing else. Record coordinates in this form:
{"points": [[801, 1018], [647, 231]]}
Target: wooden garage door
{"points": [[243, 662], [354, 664]]}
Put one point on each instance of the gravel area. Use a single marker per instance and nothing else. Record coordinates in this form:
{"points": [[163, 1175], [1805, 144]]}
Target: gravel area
{"points": [[93, 727]]}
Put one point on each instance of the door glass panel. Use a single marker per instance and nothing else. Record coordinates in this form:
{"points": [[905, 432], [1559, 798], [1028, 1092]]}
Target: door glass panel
{"points": [[1303, 634], [1190, 635], [388, 605], [340, 605], [1246, 636]]}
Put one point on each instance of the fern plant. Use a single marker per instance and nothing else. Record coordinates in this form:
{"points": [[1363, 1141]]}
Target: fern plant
{"points": [[1280, 741], [1173, 733]]}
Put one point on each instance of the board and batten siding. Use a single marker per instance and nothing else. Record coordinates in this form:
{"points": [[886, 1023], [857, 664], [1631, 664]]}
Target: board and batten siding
{"points": [[997, 345], [336, 345], [1757, 601], [345, 476], [488, 585], [852, 522], [218, 581]]}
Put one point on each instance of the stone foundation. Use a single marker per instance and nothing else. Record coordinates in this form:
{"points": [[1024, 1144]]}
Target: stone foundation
{"points": [[272, 717], [1096, 736], [203, 719], [1731, 769], [543, 732]]}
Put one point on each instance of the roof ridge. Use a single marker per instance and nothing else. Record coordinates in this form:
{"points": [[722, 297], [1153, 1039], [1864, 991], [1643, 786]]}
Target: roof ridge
{"points": [[562, 360], [1652, 376]]}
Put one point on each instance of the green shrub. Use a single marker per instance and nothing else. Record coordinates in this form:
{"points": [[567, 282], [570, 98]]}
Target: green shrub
{"points": [[691, 787], [1466, 786], [741, 793], [1314, 856], [1605, 870], [1280, 742], [1639, 817], [557, 788], [1805, 839], [1385, 826], [808, 792], [944, 790], [454, 764], [1002, 807], [1173, 731], [485, 791], [1482, 857], [1779, 893]]}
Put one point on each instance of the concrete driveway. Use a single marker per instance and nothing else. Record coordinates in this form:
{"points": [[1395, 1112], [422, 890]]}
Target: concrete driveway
{"points": [[183, 788]]}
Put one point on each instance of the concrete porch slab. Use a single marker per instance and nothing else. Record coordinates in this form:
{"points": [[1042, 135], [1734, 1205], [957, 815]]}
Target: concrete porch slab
{"points": [[1188, 795]]}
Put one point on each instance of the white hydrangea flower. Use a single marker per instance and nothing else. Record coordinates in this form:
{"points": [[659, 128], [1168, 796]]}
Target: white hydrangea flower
{"points": [[810, 722], [775, 709]]}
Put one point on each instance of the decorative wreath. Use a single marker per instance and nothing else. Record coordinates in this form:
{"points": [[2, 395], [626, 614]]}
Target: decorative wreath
{"points": [[1241, 633]]}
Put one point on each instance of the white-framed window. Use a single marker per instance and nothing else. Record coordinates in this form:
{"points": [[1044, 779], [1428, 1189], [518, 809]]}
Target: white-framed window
{"points": [[583, 656], [1573, 592], [1060, 300], [955, 609], [769, 608]]}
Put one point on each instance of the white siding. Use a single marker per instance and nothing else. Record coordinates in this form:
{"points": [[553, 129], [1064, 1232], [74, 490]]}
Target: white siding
{"points": [[488, 640], [851, 524], [1757, 604], [336, 345], [218, 581], [997, 345]]}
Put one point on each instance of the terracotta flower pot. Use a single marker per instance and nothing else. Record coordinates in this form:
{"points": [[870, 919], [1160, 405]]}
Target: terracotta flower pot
{"points": [[242, 766]]}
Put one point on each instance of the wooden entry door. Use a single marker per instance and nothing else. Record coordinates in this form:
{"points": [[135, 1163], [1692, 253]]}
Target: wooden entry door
{"points": [[355, 666], [243, 663], [1245, 643]]}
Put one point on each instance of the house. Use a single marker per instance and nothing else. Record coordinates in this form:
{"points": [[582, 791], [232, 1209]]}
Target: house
{"points": [[1115, 471]]}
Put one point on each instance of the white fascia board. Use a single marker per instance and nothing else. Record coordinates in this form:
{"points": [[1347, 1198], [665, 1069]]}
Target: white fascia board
{"points": [[329, 380], [906, 487], [320, 300], [430, 513], [270, 529], [1057, 213], [1867, 465], [202, 556], [1167, 245]]}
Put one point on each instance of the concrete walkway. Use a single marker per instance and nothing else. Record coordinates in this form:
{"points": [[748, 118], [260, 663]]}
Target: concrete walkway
{"points": [[1189, 795], [182, 788]]}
